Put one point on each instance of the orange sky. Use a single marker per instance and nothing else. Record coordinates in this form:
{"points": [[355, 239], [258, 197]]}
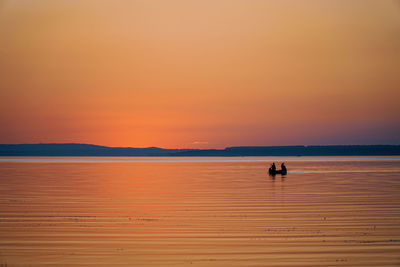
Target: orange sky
{"points": [[200, 73]]}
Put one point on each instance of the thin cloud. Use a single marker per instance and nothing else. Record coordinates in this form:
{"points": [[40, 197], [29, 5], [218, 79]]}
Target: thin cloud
{"points": [[200, 143]]}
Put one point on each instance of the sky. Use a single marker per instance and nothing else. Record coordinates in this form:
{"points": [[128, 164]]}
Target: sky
{"points": [[200, 74]]}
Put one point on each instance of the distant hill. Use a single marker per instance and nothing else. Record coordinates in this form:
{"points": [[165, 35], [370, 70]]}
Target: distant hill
{"points": [[343, 150], [94, 150], [81, 150]]}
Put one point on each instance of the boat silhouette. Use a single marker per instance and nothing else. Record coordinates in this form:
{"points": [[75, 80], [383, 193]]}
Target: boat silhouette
{"points": [[274, 172]]}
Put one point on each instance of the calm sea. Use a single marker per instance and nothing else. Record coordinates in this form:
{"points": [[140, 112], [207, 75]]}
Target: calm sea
{"points": [[327, 211]]}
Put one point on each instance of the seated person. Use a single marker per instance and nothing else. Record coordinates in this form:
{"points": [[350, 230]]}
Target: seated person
{"points": [[273, 167], [283, 167]]}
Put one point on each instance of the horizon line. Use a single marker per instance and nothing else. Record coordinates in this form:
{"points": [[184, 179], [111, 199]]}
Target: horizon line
{"points": [[226, 147]]}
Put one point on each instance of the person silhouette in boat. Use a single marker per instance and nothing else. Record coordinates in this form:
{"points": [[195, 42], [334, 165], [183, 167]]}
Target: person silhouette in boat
{"points": [[273, 167], [283, 168]]}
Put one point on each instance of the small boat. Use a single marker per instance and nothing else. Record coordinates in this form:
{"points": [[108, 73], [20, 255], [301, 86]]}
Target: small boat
{"points": [[272, 172]]}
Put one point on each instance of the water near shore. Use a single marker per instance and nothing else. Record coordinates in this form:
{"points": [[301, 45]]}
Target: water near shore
{"points": [[199, 212]]}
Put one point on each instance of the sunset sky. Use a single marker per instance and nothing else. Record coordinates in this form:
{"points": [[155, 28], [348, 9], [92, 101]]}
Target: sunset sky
{"points": [[200, 74]]}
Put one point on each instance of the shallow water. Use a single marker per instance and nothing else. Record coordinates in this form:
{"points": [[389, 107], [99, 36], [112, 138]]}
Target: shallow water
{"points": [[206, 212]]}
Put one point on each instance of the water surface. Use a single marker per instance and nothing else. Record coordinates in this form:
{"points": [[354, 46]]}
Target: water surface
{"points": [[199, 212]]}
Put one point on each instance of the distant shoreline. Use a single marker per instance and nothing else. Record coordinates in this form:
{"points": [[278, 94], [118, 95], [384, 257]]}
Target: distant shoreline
{"points": [[87, 150], [163, 159]]}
